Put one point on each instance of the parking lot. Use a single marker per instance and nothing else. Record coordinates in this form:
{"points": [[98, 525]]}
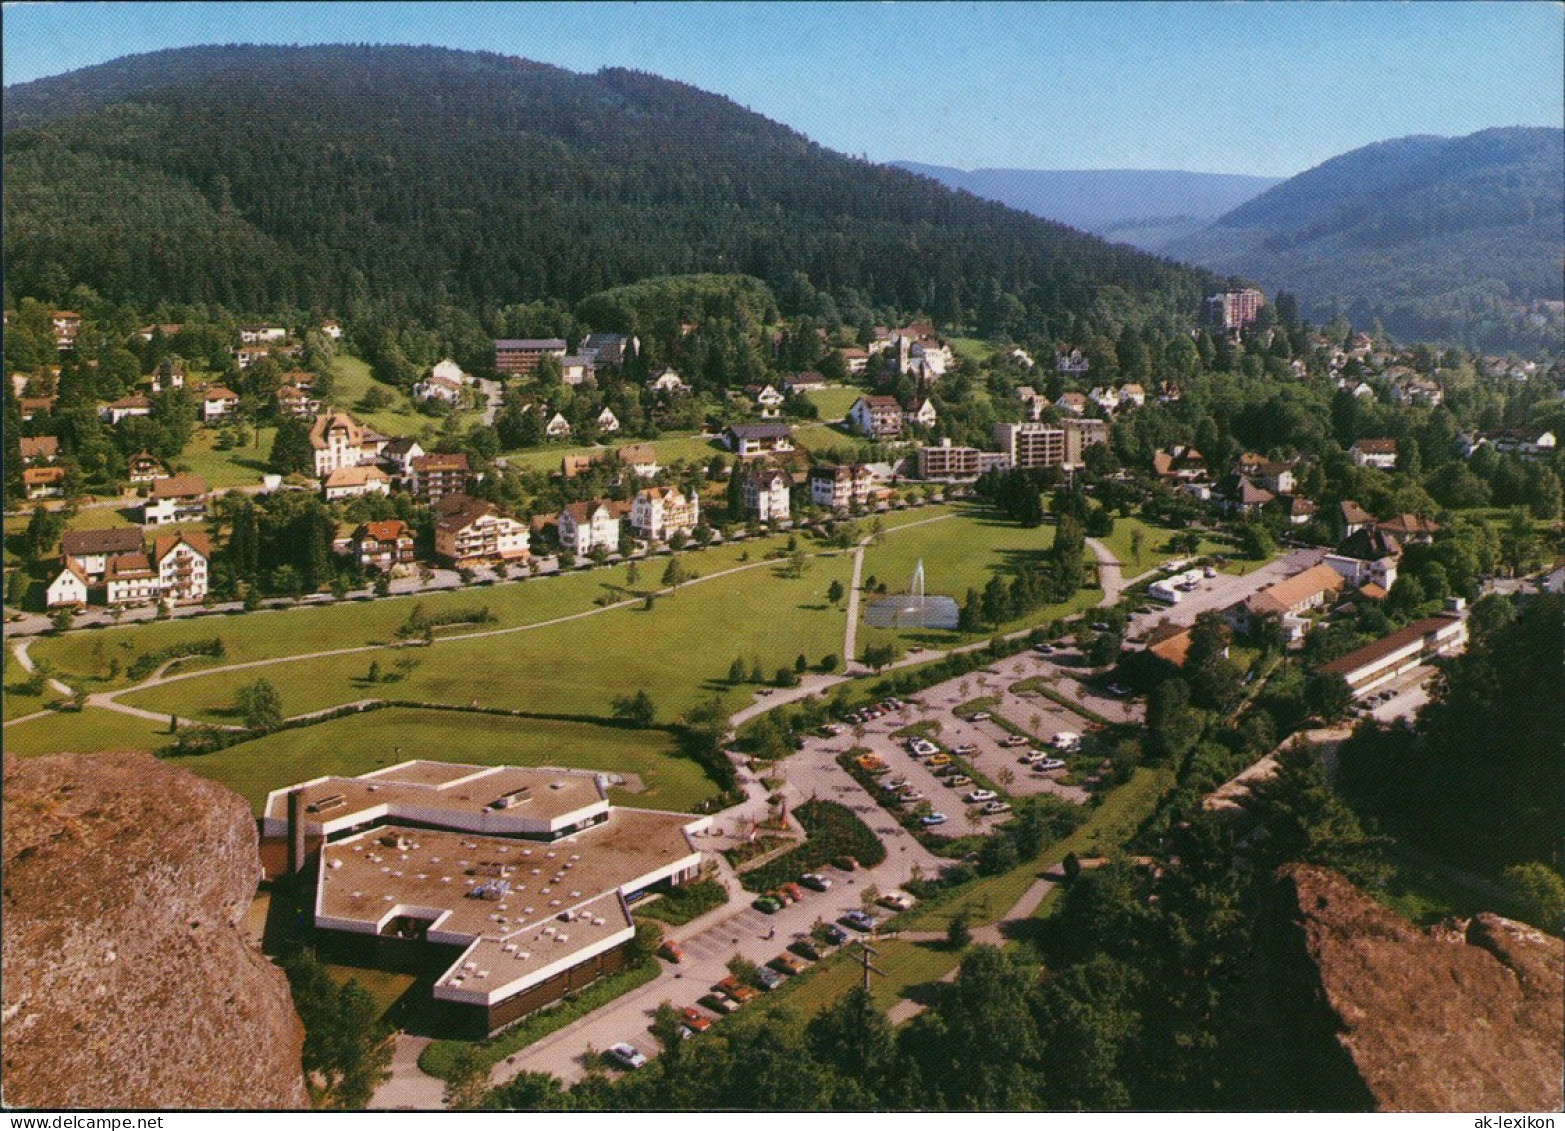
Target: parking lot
{"points": [[1408, 692], [1223, 590]]}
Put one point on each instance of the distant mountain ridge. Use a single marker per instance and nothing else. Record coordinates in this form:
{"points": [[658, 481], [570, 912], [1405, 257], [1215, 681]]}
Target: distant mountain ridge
{"points": [[1446, 238], [1143, 207]]}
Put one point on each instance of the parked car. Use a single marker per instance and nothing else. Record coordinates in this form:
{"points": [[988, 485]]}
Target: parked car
{"points": [[980, 795], [717, 1003], [835, 935], [1066, 740], [860, 921], [846, 863], [1014, 740], [792, 890], [891, 785], [965, 748], [933, 819], [939, 760], [736, 989], [908, 797], [1118, 689], [897, 900], [767, 978], [1100, 626], [806, 949], [1047, 765], [815, 881], [694, 1018], [1043, 649], [626, 1056], [956, 781], [978, 716], [670, 950], [996, 807], [788, 964], [767, 904]]}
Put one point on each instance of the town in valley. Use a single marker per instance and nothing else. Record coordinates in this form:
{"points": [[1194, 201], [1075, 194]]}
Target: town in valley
{"points": [[715, 624]]}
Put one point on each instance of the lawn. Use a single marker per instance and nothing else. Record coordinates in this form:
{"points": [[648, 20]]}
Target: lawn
{"points": [[1153, 541], [84, 732], [349, 624], [973, 349], [834, 401], [351, 380], [237, 467], [679, 652], [823, 437], [373, 740], [906, 964], [670, 449], [959, 554]]}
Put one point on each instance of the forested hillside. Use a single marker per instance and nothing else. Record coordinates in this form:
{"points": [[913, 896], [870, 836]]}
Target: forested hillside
{"points": [[328, 177], [1452, 239]]}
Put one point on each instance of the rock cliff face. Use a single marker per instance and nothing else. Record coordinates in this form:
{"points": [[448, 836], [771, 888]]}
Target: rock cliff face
{"points": [[126, 981], [1463, 1017]]}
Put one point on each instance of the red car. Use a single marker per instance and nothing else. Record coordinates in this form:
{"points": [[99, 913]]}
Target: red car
{"points": [[670, 950], [697, 1020]]}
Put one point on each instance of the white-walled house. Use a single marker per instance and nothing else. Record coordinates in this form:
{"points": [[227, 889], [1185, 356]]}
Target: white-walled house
{"points": [[766, 494], [181, 564], [657, 513], [69, 588], [584, 526]]}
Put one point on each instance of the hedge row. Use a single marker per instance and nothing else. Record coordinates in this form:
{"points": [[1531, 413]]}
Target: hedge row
{"points": [[144, 665]]}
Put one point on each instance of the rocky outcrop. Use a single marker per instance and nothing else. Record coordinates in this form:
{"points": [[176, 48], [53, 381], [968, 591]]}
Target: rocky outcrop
{"points": [[1463, 1017], [127, 983]]}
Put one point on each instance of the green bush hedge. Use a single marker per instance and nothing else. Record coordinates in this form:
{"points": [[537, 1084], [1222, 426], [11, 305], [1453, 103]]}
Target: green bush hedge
{"points": [[832, 830]]}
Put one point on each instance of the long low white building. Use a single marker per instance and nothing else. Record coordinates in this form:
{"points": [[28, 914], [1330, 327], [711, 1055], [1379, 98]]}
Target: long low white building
{"points": [[1375, 664]]}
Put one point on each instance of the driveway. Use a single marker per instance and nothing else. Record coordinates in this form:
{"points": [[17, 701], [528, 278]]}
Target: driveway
{"points": [[1412, 692]]}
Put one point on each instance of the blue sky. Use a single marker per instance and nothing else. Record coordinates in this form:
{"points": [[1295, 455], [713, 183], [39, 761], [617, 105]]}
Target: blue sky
{"points": [[1270, 88]]}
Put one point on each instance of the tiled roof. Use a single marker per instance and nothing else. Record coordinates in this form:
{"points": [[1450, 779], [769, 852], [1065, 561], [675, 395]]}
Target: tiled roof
{"points": [[1285, 594], [109, 540], [178, 487], [1386, 645], [163, 544]]}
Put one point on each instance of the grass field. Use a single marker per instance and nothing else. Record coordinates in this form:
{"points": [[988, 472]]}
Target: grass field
{"points": [[84, 732], [822, 437], [679, 651], [974, 349], [960, 554], [358, 744], [262, 635], [1153, 541], [834, 401], [670, 449], [351, 380], [237, 467], [906, 965]]}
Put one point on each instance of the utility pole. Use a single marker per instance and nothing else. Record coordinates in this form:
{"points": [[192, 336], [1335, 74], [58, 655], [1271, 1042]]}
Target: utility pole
{"points": [[864, 957]]}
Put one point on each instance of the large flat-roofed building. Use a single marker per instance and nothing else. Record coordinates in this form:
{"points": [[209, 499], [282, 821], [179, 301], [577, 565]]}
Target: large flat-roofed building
{"points": [[512, 885], [1030, 444], [1368, 667], [520, 356], [951, 462], [1234, 310]]}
